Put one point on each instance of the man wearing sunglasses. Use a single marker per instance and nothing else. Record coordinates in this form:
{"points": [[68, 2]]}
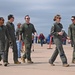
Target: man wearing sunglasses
{"points": [[27, 29], [71, 34]]}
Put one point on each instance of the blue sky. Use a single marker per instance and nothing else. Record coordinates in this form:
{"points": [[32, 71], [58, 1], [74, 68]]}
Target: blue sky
{"points": [[40, 11]]}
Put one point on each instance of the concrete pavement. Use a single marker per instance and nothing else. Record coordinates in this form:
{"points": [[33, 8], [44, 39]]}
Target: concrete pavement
{"points": [[40, 56]]}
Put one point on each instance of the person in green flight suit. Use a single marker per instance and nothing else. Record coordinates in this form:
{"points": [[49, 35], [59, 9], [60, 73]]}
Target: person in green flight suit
{"points": [[27, 29], [57, 33], [11, 31], [71, 35], [3, 36]]}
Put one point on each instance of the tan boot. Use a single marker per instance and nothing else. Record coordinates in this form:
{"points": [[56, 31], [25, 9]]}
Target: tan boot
{"points": [[5, 63], [0, 64], [52, 64], [23, 59], [29, 61], [17, 62], [65, 65], [73, 61]]}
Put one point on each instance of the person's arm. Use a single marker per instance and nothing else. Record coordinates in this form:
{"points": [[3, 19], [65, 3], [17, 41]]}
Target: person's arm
{"points": [[16, 32], [53, 31], [7, 33], [8, 27], [34, 31], [69, 32], [69, 37], [20, 33], [20, 36]]}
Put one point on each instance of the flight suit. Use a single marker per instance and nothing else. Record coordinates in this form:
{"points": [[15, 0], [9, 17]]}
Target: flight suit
{"points": [[71, 34], [57, 27], [3, 36], [27, 30], [11, 30]]}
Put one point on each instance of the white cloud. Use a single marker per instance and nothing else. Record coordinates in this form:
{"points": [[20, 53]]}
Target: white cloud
{"points": [[40, 11]]}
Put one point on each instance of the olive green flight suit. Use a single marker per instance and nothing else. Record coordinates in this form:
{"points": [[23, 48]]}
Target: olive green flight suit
{"points": [[11, 31], [3, 36], [27, 30], [57, 27], [71, 34]]}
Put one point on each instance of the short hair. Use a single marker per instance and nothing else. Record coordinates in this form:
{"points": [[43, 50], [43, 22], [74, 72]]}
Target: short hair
{"points": [[73, 17], [57, 16], [10, 16], [27, 16], [1, 18], [18, 24]]}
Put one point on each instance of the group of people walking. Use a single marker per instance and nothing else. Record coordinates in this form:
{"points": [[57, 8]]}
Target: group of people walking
{"points": [[7, 35], [58, 32]]}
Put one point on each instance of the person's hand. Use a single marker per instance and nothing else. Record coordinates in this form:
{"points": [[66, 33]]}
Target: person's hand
{"points": [[35, 34], [69, 41], [60, 33]]}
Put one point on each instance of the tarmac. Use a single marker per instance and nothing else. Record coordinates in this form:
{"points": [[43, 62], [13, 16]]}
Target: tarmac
{"points": [[41, 66]]}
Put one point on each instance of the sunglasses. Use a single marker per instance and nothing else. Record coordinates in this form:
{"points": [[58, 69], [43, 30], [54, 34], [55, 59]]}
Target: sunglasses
{"points": [[72, 19], [59, 18]]}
